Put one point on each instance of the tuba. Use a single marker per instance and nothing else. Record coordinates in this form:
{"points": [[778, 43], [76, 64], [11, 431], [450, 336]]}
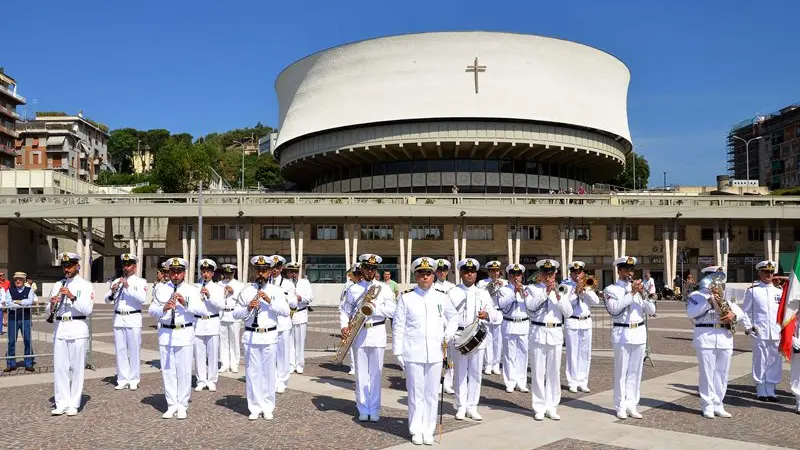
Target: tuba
{"points": [[365, 308], [715, 282]]}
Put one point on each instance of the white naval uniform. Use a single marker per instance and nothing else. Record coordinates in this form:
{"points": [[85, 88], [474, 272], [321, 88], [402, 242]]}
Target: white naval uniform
{"points": [[578, 335], [229, 353], [445, 287], [260, 345], [516, 327], [418, 337], [628, 341], [284, 333], [342, 298], [714, 347], [795, 373], [206, 334], [69, 341], [494, 339], [369, 345], [760, 308], [297, 349], [467, 302], [547, 315], [128, 327], [175, 345]]}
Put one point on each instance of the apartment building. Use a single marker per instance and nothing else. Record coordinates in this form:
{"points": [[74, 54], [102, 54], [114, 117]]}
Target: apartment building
{"points": [[9, 100]]}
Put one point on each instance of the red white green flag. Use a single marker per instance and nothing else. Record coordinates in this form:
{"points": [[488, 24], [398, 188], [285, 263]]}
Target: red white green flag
{"points": [[787, 310]]}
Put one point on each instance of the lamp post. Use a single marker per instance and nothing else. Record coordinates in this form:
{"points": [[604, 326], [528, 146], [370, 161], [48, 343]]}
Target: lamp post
{"points": [[250, 140], [747, 153]]}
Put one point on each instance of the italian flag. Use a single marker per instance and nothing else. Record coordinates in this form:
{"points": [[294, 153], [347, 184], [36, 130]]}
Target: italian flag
{"points": [[787, 310]]}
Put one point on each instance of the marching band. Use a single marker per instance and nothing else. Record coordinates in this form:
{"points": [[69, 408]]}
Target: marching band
{"points": [[445, 336]]}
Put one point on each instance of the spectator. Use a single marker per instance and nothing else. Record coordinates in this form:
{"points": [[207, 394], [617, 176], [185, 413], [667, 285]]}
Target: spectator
{"points": [[387, 278], [31, 284], [18, 301], [581, 190], [5, 285]]}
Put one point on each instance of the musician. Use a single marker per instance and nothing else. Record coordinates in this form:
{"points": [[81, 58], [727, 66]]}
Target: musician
{"points": [[127, 294], [260, 304], [471, 304], [578, 334], [628, 305], [515, 329], [441, 283], [713, 342], [71, 302], [418, 339], [760, 308], [494, 339], [370, 343], [284, 323], [207, 328], [175, 305], [547, 308], [299, 316], [229, 327], [162, 278], [18, 301]]}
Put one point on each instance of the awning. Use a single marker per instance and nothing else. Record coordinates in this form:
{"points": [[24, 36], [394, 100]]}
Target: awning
{"points": [[56, 141]]}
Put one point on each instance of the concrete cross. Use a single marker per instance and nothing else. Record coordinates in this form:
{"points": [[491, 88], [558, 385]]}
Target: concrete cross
{"points": [[477, 69]]}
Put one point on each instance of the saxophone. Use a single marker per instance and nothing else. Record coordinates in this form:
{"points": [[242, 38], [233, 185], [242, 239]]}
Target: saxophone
{"points": [[365, 308], [714, 283]]}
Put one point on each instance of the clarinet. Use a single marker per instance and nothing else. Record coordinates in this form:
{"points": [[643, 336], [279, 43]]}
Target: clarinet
{"points": [[58, 305], [175, 309], [119, 291], [257, 309]]}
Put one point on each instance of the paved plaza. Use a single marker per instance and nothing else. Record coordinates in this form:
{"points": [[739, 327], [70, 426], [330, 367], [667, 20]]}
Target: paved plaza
{"points": [[318, 410]]}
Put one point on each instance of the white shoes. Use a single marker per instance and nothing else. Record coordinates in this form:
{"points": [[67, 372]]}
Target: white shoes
{"points": [[170, 413], [573, 389], [181, 414], [212, 387], [298, 369], [496, 371], [254, 416], [722, 413], [427, 440], [632, 412], [72, 411], [235, 369], [374, 417], [622, 415], [133, 386], [487, 371], [524, 389], [473, 414], [58, 411], [223, 369], [552, 415], [416, 439], [268, 416], [353, 372], [120, 386], [509, 389], [363, 417], [461, 413], [538, 416], [199, 387], [291, 369], [584, 389], [449, 390], [280, 389], [708, 414]]}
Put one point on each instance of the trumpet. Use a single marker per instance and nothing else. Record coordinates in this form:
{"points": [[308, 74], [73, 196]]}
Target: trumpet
{"points": [[563, 289], [587, 284]]}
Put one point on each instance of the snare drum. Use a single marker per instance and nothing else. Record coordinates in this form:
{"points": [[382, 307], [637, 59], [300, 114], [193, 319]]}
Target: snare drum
{"points": [[471, 337]]}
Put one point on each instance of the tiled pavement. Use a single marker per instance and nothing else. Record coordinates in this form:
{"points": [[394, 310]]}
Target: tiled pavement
{"points": [[317, 411]]}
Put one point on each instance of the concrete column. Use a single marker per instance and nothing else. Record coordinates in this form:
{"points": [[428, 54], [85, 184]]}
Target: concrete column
{"points": [[675, 251], [300, 253], [717, 253], [456, 257], [668, 275], [570, 244], [245, 269], [767, 239], [409, 258], [518, 245], [463, 240], [239, 249], [402, 257], [292, 244], [348, 228], [79, 248], [356, 233], [562, 238], [727, 241], [777, 246], [184, 241], [140, 247], [192, 256], [615, 243], [623, 244], [510, 248], [87, 248], [132, 237]]}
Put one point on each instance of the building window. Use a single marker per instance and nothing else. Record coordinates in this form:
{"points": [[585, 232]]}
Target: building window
{"points": [[276, 232], [185, 231], [377, 232], [429, 232], [631, 232], [755, 234], [583, 233], [527, 232], [658, 232], [479, 232], [223, 232], [327, 232]]}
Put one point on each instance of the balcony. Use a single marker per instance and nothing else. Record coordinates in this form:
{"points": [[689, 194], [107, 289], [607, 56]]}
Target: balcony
{"points": [[12, 94], [8, 131], [11, 151], [9, 112]]}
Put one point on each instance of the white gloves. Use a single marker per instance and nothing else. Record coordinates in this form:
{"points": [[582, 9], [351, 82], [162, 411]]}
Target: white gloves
{"points": [[401, 362]]}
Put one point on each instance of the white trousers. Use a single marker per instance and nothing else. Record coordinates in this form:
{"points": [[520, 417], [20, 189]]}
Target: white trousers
{"points": [[795, 374], [127, 343], [767, 366], [579, 356], [298, 348], [259, 364], [628, 361], [450, 372], [422, 383], [282, 357], [369, 370], [206, 358], [68, 355], [176, 372], [229, 344], [714, 365], [467, 379], [494, 347], [515, 360], [545, 377]]}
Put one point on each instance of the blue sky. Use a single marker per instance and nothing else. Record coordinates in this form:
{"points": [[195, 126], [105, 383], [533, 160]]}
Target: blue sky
{"points": [[202, 66]]}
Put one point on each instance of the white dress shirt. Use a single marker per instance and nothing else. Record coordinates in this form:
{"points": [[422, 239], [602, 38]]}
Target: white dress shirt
{"points": [[760, 308], [305, 295], [82, 306], [546, 308], [629, 309], [209, 306], [467, 303], [284, 322], [418, 332], [699, 309], [178, 337], [268, 313], [581, 305], [512, 306], [127, 299], [370, 336]]}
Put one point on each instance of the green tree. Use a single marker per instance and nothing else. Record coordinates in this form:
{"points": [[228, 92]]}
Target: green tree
{"points": [[180, 166], [267, 172], [155, 139], [121, 145], [625, 179]]}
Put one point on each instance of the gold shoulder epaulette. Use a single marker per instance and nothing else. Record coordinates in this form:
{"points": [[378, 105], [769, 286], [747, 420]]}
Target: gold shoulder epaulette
{"points": [[443, 292], [407, 291]]}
